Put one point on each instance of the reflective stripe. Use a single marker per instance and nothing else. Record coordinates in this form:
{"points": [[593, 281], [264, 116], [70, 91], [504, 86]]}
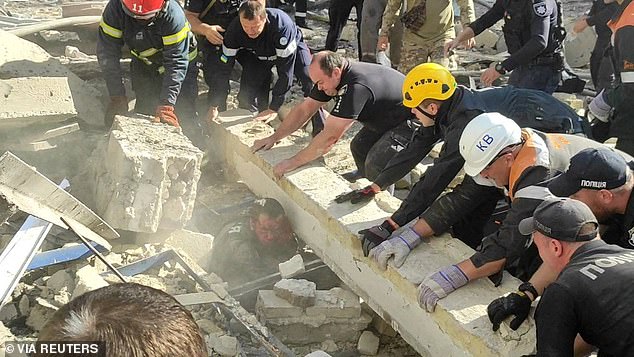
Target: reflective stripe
{"points": [[149, 52], [142, 58], [109, 30], [229, 52], [289, 50], [192, 55], [534, 192], [627, 77], [177, 37], [264, 58], [300, 14], [161, 70]]}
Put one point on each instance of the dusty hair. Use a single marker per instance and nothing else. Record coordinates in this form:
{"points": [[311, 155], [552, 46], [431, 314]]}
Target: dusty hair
{"points": [[269, 206], [329, 60], [251, 9], [131, 319]]}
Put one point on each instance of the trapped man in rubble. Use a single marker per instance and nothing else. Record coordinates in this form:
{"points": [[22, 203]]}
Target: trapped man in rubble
{"points": [[444, 109], [366, 92], [161, 46], [253, 246]]}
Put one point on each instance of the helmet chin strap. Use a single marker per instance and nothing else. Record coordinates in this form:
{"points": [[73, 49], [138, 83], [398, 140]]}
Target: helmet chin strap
{"points": [[427, 114]]}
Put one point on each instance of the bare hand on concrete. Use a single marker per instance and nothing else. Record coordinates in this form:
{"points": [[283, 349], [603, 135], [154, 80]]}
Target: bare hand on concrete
{"points": [[453, 44], [489, 75], [382, 43], [282, 167], [213, 34], [263, 144], [265, 116]]}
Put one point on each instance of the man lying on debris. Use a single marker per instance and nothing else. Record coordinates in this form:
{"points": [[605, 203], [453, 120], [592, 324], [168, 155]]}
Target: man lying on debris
{"points": [[601, 178], [162, 46], [365, 92], [131, 320], [444, 109], [497, 153], [252, 247]]}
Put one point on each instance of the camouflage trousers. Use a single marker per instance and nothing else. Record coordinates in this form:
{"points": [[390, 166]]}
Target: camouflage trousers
{"points": [[415, 51]]}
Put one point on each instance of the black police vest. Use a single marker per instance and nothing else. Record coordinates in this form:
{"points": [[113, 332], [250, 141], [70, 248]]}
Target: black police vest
{"points": [[517, 25]]}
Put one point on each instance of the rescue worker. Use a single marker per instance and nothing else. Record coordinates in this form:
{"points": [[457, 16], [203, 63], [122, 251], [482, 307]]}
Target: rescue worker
{"points": [[595, 282], [301, 7], [252, 247], [338, 13], [444, 109], [601, 69], [613, 107], [533, 35], [605, 186], [210, 19], [276, 41], [371, 19], [498, 154], [365, 92], [162, 47], [428, 26]]}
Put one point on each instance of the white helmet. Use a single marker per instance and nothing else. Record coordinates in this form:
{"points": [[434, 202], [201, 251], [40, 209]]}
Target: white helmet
{"points": [[484, 138]]}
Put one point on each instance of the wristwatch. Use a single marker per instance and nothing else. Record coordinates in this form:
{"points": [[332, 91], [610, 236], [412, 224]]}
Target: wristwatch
{"points": [[499, 68], [527, 286]]}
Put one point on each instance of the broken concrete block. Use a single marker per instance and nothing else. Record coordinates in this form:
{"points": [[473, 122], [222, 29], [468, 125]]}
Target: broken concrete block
{"points": [[269, 306], [8, 312], [148, 176], [24, 305], [209, 327], [316, 329], [5, 335], [329, 346], [299, 292], [196, 245], [224, 345], [35, 99], [335, 303], [41, 312], [382, 327], [578, 46], [61, 279], [22, 58], [292, 267], [87, 279], [368, 344], [486, 39]]}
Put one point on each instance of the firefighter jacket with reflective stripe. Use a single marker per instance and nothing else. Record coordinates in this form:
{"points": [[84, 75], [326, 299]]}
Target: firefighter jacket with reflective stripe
{"points": [[278, 44], [165, 45]]}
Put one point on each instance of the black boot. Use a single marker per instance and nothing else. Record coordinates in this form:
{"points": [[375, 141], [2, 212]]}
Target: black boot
{"points": [[301, 22]]}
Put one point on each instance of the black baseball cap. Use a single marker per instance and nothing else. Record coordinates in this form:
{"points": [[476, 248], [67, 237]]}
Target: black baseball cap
{"points": [[561, 218], [592, 168]]}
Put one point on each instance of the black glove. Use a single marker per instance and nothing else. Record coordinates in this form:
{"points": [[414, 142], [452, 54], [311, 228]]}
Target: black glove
{"points": [[518, 304], [357, 196], [374, 236]]}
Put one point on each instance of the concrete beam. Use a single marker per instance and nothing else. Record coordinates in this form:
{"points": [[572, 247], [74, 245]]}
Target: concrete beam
{"points": [[459, 327]]}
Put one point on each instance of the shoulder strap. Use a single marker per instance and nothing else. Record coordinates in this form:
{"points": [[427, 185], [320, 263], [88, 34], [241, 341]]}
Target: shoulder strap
{"points": [[207, 9]]}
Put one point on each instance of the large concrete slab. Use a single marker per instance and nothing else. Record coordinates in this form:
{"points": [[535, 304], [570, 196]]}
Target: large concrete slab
{"points": [[148, 178], [29, 100], [459, 327], [22, 58]]}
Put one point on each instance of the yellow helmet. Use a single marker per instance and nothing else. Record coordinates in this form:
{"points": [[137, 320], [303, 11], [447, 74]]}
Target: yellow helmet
{"points": [[427, 81]]}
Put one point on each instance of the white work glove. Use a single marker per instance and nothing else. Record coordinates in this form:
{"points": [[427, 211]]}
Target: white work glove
{"points": [[599, 108], [397, 247], [439, 285]]}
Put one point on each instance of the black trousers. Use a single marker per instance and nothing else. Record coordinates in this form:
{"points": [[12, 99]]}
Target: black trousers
{"points": [[601, 69], [338, 13]]}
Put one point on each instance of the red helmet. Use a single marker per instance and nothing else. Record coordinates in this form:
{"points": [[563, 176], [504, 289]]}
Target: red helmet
{"points": [[142, 9]]}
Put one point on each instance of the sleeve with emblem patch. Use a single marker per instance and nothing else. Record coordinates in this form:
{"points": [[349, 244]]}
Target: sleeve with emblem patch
{"points": [[109, 45], [286, 47], [540, 33], [176, 36]]}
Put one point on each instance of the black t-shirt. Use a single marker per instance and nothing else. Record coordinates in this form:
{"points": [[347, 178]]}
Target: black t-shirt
{"points": [[591, 297], [369, 93]]}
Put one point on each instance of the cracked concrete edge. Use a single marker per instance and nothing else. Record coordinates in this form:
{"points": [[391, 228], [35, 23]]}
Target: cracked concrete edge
{"points": [[459, 327]]}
